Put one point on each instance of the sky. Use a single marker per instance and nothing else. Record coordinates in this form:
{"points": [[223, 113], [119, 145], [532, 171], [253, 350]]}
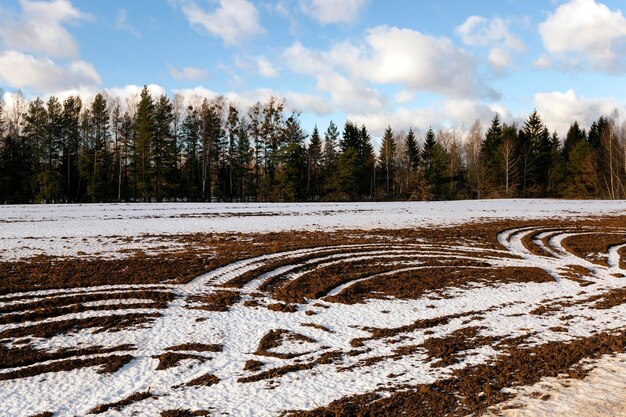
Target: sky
{"points": [[403, 63]]}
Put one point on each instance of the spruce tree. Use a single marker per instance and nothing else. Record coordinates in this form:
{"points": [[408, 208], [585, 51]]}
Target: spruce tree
{"points": [[387, 160], [314, 165]]}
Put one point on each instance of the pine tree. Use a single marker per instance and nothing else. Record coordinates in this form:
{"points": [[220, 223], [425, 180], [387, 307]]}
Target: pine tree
{"points": [[232, 127], [127, 139], [98, 164], [34, 128], [163, 149], [254, 116], [50, 180], [141, 159], [116, 122], [213, 149], [190, 137], [272, 137], [71, 145], [244, 154]]}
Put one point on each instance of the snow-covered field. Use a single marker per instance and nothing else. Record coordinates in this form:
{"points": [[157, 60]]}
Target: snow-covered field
{"points": [[70, 230], [250, 359]]}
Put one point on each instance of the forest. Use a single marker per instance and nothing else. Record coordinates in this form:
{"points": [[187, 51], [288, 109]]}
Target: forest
{"points": [[158, 149]]}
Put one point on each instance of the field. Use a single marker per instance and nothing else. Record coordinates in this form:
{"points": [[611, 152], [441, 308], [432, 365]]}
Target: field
{"points": [[508, 308]]}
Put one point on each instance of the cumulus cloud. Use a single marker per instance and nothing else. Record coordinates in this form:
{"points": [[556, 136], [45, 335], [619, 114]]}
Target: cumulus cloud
{"points": [[19, 70], [493, 33], [333, 11], [189, 73], [346, 93], [233, 20], [446, 113], [560, 109], [39, 28], [349, 71], [585, 33]]}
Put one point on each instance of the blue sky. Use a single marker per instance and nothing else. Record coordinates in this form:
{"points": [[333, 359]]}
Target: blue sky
{"points": [[402, 62]]}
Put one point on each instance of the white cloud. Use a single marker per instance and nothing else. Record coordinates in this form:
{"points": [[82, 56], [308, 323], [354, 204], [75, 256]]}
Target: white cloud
{"points": [[559, 110], [401, 118], [403, 97], [265, 67], [233, 21], [294, 101], [25, 71], [333, 11], [420, 62], [493, 33], [39, 28], [388, 55], [346, 93], [189, 73], [259, 64], [585, 33], [121, 23], [444, 114]]}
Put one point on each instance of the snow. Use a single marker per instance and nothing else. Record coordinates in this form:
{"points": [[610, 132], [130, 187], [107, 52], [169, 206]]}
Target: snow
{"points": [[99, 229], [31, 230], [601, 393]]}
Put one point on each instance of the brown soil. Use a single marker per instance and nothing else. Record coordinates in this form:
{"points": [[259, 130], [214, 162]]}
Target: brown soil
{"points": [[587, 245], [45, 309], [108, 364], [44, 414], [446, 350], [217, 301], [609, 299], [282, 307], [170, 359], [25, 355], [276, 372], [205, 380], [252, 365], [197, 347], [119, 405], [159, 298], [184, 413], [528, 242], [276, 338], [577, 273], [97, 324], [472, 390], [317, 326], [414, 284]]}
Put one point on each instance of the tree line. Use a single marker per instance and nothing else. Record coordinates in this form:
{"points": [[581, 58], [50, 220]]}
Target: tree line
{"points": [[157, 149]]}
